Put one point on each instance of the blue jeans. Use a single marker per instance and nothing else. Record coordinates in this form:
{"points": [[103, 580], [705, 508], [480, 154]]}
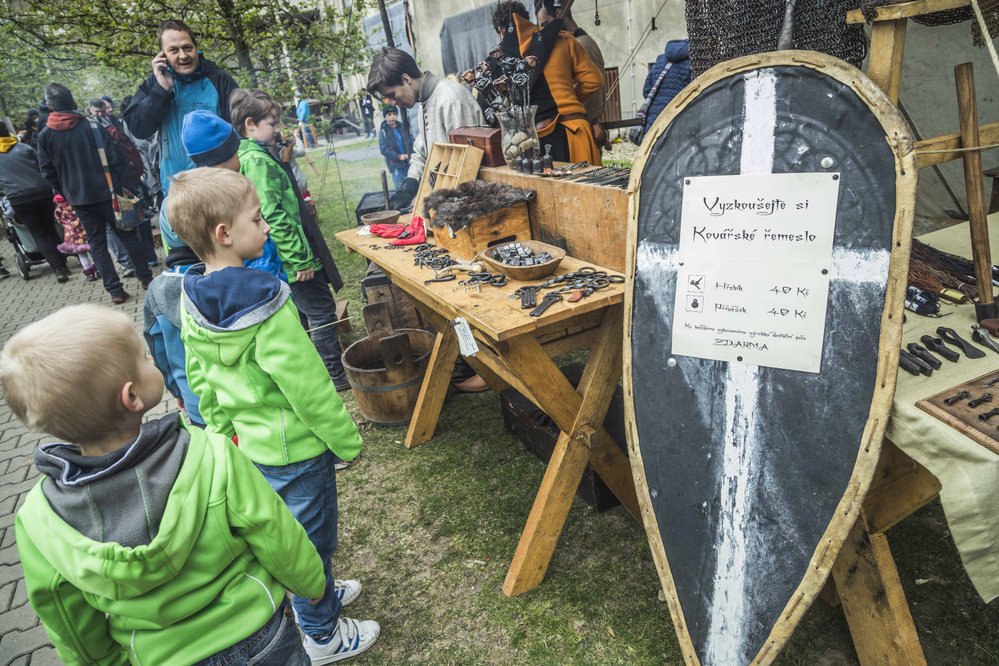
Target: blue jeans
{"points": [[277, 643], [309, 489], [315, 301], [399, 174]]}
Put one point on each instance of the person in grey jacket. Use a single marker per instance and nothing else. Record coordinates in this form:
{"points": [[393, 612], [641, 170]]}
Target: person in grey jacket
{"points": [[31, 198], [445, 106]]}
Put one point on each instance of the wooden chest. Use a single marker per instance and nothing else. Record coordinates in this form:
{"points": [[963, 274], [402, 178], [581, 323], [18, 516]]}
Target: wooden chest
{"points": [[485, 139], [500, 226]]}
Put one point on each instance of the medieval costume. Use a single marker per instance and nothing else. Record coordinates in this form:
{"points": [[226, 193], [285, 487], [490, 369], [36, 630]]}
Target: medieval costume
{"points": [[564, 75]]}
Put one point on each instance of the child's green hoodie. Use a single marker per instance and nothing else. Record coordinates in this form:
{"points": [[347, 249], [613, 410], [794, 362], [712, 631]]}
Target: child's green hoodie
{"points": [[257, 372], [165, 551]]}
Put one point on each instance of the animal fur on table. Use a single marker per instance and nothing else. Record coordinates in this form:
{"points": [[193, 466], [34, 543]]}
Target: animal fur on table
{"points": [[476, 198]]}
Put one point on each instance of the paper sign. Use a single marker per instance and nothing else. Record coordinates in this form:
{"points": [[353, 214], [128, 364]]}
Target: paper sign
{"points": [[753, 268], [466, 341]]}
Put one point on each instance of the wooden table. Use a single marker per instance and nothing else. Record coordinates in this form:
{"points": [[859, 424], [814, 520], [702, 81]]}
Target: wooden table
{"points": [[516, 350]]}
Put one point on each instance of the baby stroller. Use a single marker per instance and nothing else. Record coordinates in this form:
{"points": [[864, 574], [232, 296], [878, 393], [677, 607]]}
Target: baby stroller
{"points": [[26, 253]]}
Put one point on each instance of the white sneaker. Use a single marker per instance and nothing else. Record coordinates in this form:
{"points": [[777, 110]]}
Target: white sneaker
{"points": [[346, 590], [351, 638]]}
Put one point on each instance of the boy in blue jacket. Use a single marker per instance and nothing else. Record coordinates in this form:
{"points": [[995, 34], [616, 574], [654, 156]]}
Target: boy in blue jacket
{"points": [[212, 142]]}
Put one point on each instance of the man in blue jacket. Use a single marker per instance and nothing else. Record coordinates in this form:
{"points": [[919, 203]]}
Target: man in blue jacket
{"points": [[182, 81]]}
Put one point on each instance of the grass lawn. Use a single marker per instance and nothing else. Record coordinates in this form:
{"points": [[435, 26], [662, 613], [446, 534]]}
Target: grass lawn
{"points": [[430, 533]]}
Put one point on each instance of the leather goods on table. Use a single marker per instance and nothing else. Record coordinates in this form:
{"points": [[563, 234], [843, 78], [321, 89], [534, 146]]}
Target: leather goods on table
{"points": [[486, 139]]}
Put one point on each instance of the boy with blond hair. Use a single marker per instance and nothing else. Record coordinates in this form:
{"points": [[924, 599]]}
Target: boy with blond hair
{"points": [[258, 376], [151, 543]]}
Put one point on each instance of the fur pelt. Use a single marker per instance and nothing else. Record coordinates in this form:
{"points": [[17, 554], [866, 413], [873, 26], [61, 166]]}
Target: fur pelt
{"points": [[459, 207]]}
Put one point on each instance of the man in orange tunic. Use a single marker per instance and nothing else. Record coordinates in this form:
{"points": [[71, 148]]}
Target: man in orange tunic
{"points": [[564, 75]]}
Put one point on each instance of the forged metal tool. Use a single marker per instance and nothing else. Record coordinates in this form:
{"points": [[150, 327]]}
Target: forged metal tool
{"points": [[549, 300], [913, 365], [921, 365], [957, 396], [528, 296], [982, 337], [937, 345], [924, 355], [987, 397], [950, 336], [989, 414], [447, 277]]}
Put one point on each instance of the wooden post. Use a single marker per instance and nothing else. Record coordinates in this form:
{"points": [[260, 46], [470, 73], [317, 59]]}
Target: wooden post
{"points": [[967, 109], [887, 48], [873, 601]]}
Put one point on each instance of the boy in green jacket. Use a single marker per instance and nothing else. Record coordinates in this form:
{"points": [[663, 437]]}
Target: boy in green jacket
{"points": [[258, 376], [145, 543], [300, 245]]}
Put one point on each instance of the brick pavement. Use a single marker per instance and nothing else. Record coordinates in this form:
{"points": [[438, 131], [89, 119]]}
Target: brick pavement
{"points": [[23, 641]]}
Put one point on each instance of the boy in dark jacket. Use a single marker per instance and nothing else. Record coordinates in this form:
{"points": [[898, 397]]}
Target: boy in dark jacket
{"points": [[144, 543], [70, 163], [258, 376], [395, 144]]}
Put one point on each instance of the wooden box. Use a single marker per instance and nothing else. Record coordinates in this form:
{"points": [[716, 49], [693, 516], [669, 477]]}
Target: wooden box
{"points": [[448, 166], [377, 287], [486, 139], [500, 226]]}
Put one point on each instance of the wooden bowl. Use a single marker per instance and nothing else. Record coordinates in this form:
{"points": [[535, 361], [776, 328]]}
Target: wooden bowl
{"points": [[381, 217], [525, 273]]}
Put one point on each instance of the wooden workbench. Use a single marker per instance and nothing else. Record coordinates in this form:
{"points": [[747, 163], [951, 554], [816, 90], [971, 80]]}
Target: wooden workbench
{"points": [[516, 350]]}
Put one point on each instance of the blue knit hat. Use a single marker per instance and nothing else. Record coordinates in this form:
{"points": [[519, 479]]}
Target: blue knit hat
{"points": [[208, 139]]}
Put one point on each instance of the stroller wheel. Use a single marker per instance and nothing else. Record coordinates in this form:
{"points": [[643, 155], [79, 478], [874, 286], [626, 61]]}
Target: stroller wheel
{"points": [[22, 266]]}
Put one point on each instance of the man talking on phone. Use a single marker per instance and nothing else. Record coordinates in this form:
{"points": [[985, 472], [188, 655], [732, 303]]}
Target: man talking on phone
{"points": [[182, 81]]}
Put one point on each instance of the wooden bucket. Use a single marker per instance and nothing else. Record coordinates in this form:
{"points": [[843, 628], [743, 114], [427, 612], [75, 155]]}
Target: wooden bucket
{"points": [[386, 368]]}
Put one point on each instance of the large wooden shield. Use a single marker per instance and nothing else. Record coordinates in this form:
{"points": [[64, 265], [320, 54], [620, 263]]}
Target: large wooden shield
{"points": [[750, 476]]}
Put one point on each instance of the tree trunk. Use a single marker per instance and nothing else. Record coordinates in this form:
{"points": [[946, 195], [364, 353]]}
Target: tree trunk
{"points": [[242, 49]]}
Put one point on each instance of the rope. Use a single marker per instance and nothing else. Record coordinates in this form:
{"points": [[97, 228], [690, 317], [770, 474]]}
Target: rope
{"points": [[986, 36]]}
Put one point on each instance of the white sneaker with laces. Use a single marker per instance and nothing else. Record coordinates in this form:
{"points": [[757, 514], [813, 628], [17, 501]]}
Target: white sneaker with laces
{"points": [[351, 638], [346, 590]]}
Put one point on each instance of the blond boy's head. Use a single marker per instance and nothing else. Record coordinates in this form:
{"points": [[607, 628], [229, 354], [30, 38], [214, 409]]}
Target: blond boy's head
{"points": [[203, 199], [63, 374]]}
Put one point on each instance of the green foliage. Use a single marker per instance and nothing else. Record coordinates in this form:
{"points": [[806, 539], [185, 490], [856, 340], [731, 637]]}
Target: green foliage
{"points": [[102, 47]]}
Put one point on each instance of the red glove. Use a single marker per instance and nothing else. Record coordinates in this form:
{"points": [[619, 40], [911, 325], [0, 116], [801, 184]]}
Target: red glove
{"points": [[387, 230], [414, 233]]}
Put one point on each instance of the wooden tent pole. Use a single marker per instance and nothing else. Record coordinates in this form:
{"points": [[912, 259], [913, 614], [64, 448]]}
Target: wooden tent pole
{"points": [[967, 108]]}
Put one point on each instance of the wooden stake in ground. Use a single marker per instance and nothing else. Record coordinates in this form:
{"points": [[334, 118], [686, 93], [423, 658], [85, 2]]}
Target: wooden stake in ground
{"points": [[967, 109]]}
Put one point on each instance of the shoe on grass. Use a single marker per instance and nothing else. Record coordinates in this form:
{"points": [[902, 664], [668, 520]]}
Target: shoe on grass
{"points": [[341, 383], [346, 590], [351, 638]]}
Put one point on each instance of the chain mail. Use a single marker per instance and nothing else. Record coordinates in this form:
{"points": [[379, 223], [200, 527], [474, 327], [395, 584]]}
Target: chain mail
{"points": [[990, 11], [720, 30]]}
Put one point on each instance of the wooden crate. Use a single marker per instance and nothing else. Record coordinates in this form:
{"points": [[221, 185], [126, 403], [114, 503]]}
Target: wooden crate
{"points": [[484, 138], [500, 226], [448, 165]]}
